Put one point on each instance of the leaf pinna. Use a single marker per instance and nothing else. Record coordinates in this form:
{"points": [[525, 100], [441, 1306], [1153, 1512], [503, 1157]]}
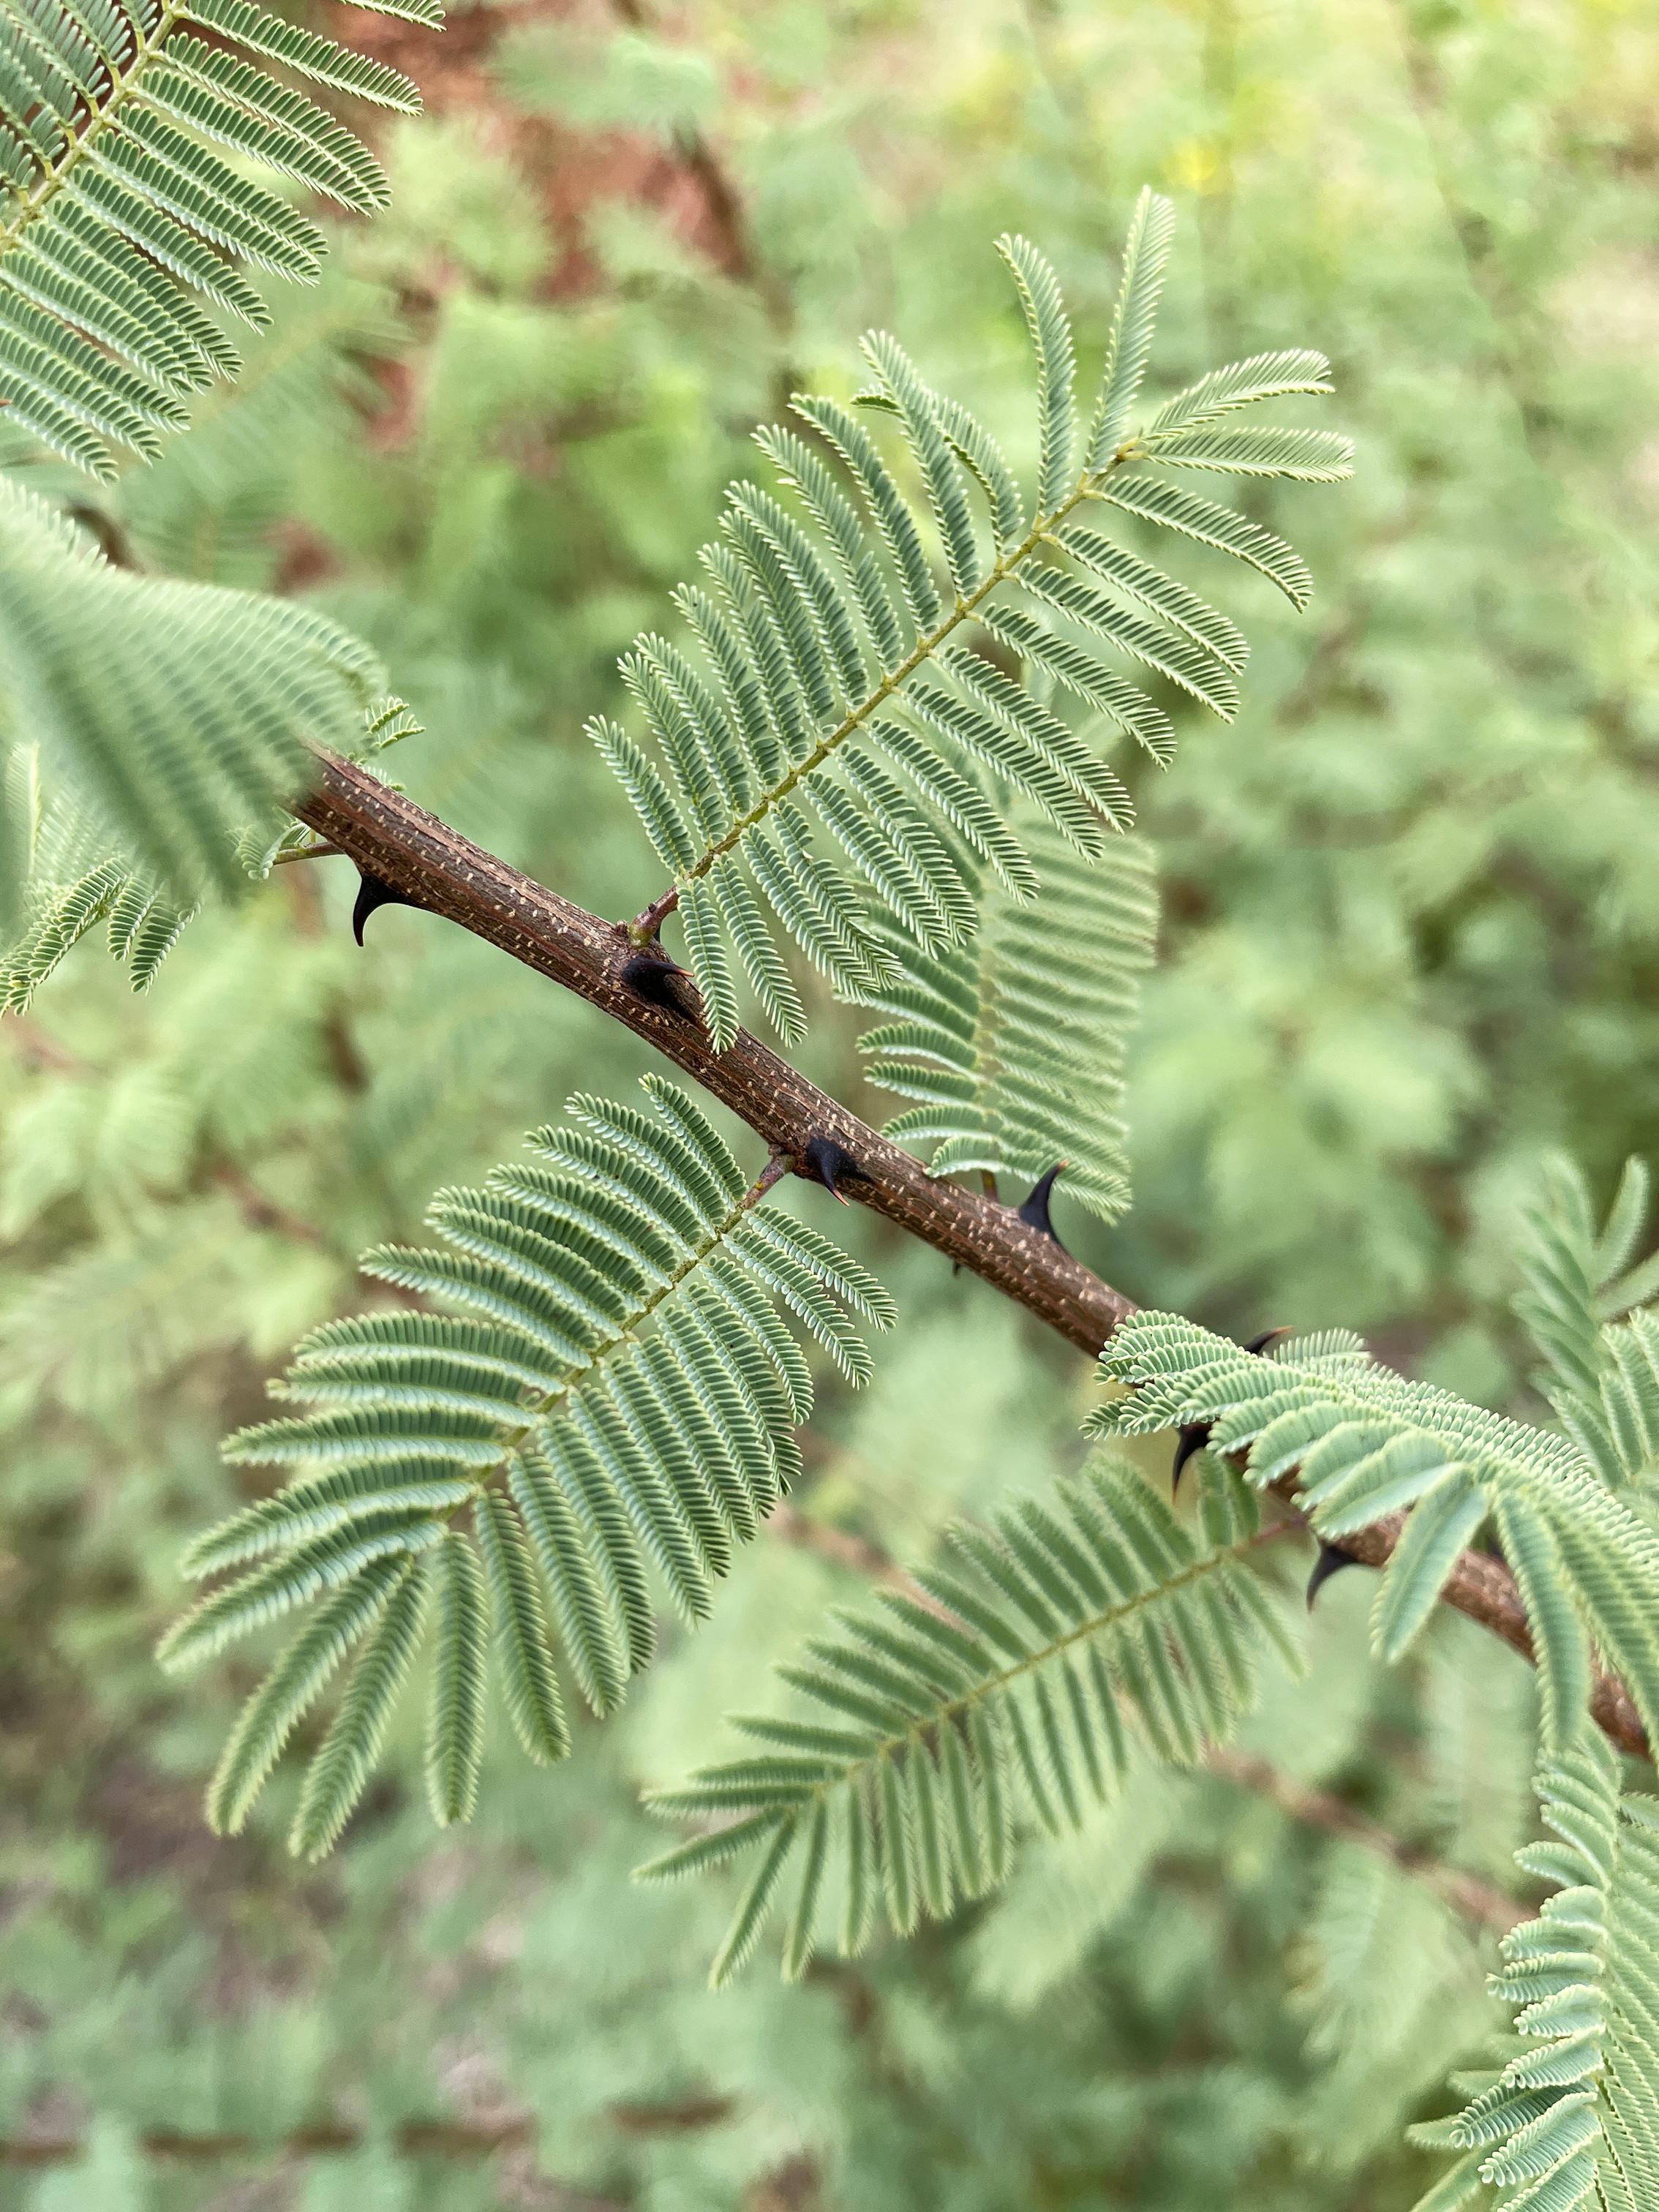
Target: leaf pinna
{"points": [[1015, 1043], [999, 1694], [815, 742], [609, 1393], [1564, 2115], [116, 207]]}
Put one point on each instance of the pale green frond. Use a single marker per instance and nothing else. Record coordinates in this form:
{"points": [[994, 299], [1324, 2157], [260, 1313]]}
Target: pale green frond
{"points": [[529, 1684], [175, 712], [1242, 384], [331, 1560], [1176, 509], [1560, 1263], [111, 177], [1602, 1371], [1145, 257], [1572, 2117], [1000, 1696], [825, 635], [1308, 456], [1361, 1436], [611, 1407], [917, 410], [1014, 1046], [143, 927], [1183, 659]]}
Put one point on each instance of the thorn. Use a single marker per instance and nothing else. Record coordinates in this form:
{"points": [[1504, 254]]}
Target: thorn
{"points": [[1195, 1435], [826, 1162], [1258, 1344], [661, 983], [372, 893], [1034, 1212], [1331, 1561]]}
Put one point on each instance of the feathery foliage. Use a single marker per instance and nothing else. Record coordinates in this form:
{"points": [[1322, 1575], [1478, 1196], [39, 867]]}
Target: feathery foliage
{"points": [[144, 925], [1366, 1442], [171, 713], [995, 1694], [610, 1389], [1568, 2114], [1602, 1379], [67, 881], [115, 206], [831, 684], [1015, 1041]]}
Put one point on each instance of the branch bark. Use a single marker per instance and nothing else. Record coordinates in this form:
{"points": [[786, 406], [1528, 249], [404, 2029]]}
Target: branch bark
{"points": [[435, 868]]}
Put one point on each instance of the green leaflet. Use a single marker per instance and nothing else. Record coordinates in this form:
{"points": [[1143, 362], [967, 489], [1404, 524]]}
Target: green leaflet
{"points": [[1014, 1045], [609, 1393], [1587, 1566], [112, 177], [826, 627], [994, 1696], [1572, 2117]]}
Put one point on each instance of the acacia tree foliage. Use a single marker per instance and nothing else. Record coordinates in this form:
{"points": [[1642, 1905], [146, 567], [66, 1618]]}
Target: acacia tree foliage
{"points": [[876, 730]]}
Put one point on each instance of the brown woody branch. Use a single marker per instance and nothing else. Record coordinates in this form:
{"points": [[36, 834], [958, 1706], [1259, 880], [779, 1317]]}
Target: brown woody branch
{"points": [[436, 868]]}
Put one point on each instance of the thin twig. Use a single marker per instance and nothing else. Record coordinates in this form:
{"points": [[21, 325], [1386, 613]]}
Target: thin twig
{"points": [[446, 2139], [1466, 1894]]}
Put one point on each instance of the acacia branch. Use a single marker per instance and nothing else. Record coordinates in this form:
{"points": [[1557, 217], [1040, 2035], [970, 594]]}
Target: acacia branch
{"points": [[434, 867]]}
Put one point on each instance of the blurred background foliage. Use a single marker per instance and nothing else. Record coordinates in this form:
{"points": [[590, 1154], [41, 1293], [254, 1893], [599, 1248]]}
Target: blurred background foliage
{"points": [[1412, 938]]}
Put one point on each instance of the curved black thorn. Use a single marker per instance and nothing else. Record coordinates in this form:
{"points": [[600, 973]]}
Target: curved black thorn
{"points": [[372, 893], [1195, 1435], [1034, 1212], [659, 981], [831, 1164], [1331, 1561], [1258, 1344]]}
